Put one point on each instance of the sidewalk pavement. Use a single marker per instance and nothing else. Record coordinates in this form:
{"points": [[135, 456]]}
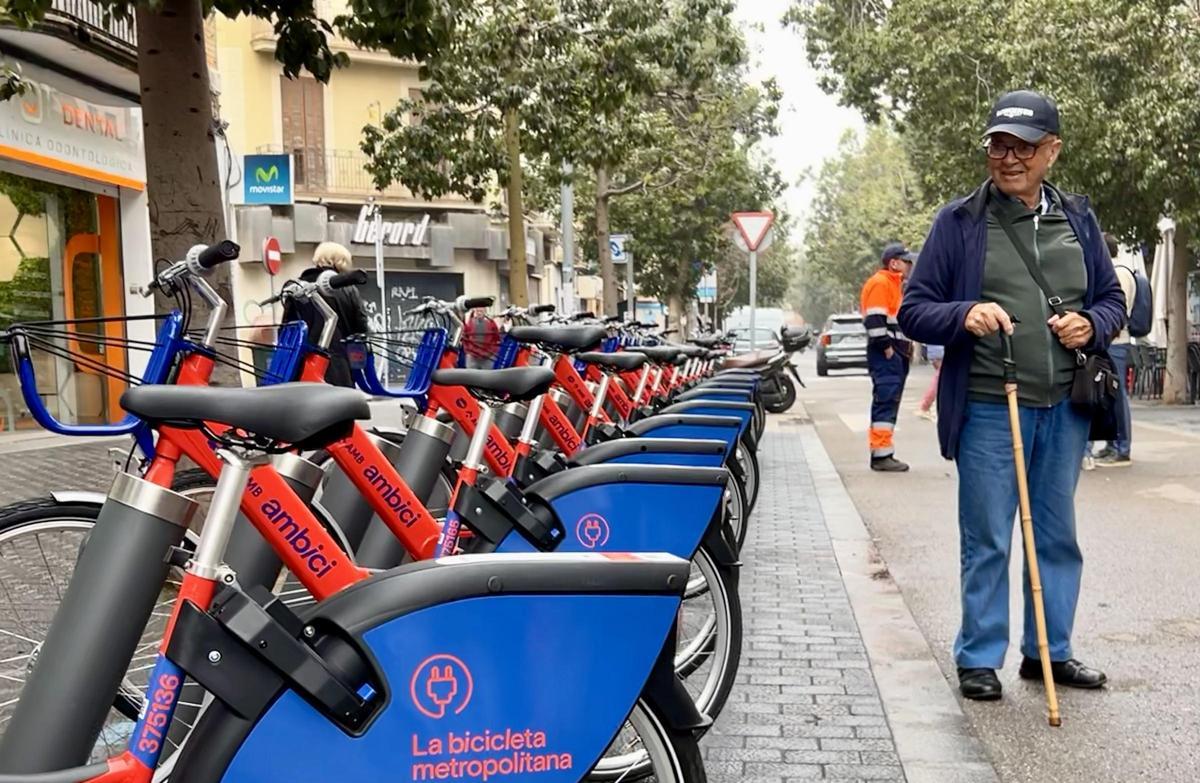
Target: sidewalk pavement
{"points": [[836, 681]]}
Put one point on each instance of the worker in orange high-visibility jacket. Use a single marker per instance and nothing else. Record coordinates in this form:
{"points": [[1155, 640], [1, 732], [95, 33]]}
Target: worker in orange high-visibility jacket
{"points": [[888, 352]]}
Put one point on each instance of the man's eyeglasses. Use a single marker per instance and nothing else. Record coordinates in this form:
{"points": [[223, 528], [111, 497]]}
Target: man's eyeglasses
{"points": [[1023, 150]]}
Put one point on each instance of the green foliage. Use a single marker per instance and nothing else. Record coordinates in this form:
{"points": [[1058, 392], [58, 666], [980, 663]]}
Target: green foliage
{"points": [[1124, 72], [402, 28], [865, 197], [777, 269]]}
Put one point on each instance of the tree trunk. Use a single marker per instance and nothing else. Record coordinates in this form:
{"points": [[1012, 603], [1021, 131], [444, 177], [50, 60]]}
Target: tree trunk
{"points": [[608, 276], [518, 274], [182, 176], [1175, 386], [677, 320]]}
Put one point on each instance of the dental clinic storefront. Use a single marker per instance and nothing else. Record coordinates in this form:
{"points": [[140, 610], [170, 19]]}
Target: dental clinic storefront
{"points": [[74, 237]]}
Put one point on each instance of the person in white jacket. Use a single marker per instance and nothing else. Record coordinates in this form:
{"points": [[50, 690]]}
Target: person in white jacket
{"points": [[1117, 453]]}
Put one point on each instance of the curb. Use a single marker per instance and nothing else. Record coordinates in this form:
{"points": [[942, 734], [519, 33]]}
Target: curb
{"points": [[932, 737]]}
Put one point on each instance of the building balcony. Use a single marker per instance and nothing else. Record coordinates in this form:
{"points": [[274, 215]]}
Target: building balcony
{"points": [[334, 175], [79, 39], [92, 24]]}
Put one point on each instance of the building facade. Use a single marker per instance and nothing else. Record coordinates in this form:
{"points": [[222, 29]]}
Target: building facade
{"points": [[74, 226], [311, 131]]}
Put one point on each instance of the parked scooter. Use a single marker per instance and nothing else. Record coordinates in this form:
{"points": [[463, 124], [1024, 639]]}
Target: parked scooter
{"points": [[775, 389]]}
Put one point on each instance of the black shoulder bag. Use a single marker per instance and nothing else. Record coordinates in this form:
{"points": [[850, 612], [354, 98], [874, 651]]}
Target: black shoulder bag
{"points": [[1094, 385]]}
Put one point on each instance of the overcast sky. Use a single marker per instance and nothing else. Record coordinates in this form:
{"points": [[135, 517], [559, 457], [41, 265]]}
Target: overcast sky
{"points": [[810, 121]]}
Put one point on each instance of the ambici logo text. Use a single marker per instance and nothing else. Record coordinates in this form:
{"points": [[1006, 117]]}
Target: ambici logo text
{"points": [[441, 685], [592, 531]]}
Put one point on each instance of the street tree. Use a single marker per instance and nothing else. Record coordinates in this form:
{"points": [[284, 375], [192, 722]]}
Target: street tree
{"points": [[179, 125], [494, 97], [1124, 73], [866, 196]]}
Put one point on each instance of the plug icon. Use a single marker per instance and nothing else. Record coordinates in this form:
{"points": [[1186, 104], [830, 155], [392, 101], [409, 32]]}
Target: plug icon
{"points": [[441, 687], [591, 533]]}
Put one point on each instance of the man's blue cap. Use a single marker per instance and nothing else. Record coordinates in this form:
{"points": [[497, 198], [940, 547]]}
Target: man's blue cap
{"points": [[897, 250], [1026, 114]]}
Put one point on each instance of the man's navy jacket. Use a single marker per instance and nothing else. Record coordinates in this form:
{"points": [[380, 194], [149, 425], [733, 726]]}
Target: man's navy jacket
{"points": [[948, 281]]}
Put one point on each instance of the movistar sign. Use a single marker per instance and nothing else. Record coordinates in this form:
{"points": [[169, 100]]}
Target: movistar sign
{"points": [[267, 179]]}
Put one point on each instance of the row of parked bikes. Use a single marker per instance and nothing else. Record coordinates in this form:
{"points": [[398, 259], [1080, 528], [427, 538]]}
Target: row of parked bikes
{"points": [[536, 579]]}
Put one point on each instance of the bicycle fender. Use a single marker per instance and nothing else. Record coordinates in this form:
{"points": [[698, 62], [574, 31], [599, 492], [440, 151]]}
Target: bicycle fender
{"points": [[667, 696], [78, 496]]}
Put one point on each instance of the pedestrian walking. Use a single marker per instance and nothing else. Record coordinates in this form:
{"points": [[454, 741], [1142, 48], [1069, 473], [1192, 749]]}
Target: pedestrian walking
{"points": [[352, 319], [925, 410], [975, 269], [888, 353], [1118, 452]]}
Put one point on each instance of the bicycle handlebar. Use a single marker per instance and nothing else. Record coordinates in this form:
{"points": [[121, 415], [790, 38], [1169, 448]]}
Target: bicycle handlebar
{"points": [[210, 256], [346, 279], [465, 303], [542, 308]]}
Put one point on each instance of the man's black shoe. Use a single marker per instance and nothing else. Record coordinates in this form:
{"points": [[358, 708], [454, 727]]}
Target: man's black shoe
{"points": [[888, 464], [1105, 453], [1070, 673], [979, 684]]}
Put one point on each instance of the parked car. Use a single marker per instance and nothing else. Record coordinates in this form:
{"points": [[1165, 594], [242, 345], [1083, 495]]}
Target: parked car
{"points": [[843, 343], [764, 340]]}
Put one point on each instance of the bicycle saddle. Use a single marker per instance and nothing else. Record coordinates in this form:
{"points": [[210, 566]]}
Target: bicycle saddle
{"points": [[749, 360], [563, 339], [661, 354], [308, 415], [707, 341], [623, 361], [514, 384], [691, 351]]}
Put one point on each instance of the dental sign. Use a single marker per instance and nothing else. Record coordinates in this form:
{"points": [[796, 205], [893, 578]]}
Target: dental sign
{"points": [[267, 179], [414, 233], [49, 127]]}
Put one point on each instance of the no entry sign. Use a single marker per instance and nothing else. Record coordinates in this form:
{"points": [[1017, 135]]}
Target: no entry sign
{"points": [[272, 255]]}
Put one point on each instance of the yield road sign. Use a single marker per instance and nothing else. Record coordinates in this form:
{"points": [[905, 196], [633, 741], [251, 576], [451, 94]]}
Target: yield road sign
{"points": [[753, 226]]}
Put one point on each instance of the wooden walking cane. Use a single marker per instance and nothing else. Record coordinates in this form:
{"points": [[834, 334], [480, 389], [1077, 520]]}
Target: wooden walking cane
{"points": [[1035, 579]]}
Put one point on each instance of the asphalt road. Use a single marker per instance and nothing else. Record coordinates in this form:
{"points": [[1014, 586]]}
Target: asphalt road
{"points": [[1139, 611]]}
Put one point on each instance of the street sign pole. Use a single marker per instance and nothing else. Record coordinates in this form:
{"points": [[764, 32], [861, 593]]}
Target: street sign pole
{"points": [[568, 242], [631, 307], [753, 294], [379, 281]]}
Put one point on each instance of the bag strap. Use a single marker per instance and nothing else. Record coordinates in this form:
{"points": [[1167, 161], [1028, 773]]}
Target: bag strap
{"points": [[1053, 299]]}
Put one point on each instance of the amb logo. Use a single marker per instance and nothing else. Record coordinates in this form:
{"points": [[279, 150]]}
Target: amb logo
{"points": [[441, 685], [592, 531]]}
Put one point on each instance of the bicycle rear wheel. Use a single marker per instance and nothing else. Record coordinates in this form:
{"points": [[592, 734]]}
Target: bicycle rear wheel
{"points": [[39, 543]]}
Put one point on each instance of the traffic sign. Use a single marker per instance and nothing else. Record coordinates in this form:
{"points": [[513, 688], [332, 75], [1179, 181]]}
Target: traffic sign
{"points": [[616, 244], [753, 227], [272, 255], [706, 291]]}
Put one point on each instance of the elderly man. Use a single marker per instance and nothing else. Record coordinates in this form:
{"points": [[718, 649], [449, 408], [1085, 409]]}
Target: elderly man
{"points": [[969, 281]]}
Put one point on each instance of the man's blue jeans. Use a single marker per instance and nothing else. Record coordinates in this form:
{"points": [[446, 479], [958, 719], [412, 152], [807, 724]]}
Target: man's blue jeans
{"points": [[1124, 441], [987, 507]]}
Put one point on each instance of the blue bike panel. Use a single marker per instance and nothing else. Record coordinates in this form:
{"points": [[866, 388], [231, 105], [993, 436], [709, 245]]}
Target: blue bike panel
{"points": [[725, 396], [632, 517], [747, 416], [528, 688], [696, 432], [668, 458]]}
